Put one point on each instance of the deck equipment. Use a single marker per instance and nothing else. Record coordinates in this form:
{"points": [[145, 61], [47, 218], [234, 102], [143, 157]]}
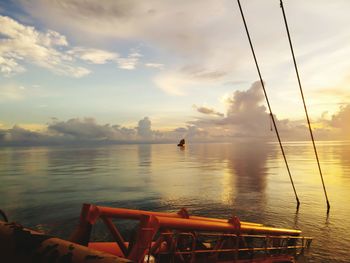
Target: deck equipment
{"points": [[181, 237]]}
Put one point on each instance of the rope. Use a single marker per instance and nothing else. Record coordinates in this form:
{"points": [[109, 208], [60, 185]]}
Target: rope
{"points": [[268, 104], [302, 96]]}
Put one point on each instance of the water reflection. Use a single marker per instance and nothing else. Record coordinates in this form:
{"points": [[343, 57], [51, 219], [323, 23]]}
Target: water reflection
{"points": [[248, 179], [251, 171], [145, 160]]}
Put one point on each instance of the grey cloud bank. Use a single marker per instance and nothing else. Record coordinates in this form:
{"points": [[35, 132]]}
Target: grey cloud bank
{"points": [[246, 118]]}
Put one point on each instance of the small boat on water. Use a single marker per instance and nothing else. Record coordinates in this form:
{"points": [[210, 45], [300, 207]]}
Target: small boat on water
{"points": [[181, 143], [160, 237]]}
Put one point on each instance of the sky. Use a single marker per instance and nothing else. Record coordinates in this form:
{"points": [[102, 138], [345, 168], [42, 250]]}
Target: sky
{"points": [[136, 71]]}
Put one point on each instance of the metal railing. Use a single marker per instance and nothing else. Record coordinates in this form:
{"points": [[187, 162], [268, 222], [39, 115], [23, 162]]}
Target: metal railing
{"points": [[188, 246]]}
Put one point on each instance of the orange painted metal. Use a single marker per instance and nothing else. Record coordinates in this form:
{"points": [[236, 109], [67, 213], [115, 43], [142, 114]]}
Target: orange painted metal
{"points": [[173, 220], [163, 234], [193, 225], [117, 236], [96, 211]]}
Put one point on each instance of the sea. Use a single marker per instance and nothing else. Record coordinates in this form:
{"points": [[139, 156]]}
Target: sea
{"points": [[44, 187]]}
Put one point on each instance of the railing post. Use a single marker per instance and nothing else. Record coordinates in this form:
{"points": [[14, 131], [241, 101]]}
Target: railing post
{"points": [[116, 235], [81, 234], [237, 248]]}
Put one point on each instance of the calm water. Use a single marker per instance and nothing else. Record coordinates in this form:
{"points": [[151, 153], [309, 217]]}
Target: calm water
{"points": [[44, 187]]}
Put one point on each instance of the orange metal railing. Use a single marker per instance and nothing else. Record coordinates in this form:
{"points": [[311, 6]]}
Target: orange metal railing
{"points": [[180, 237]]}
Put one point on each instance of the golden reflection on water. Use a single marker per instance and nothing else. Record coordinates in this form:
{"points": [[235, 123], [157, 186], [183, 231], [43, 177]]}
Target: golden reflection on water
{"points": [[228, 183], [248, 178]]}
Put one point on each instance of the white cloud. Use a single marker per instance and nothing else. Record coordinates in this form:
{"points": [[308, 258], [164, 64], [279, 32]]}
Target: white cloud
{"points": [[9, 66], [173, 83], [94, 56], [186, 30], [178, 81], [155, 65], [210, 33], [99, 56], [50, 50], [24, 43], [129, 62], [245, 115]]}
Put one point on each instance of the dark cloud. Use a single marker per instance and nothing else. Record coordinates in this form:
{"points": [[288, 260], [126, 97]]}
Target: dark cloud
{"points": [[208, 111], [84, 129], [71, 131], [20, 134], [88, 129]]}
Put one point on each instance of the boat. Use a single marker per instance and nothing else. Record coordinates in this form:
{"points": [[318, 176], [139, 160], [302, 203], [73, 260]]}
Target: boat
{"points": [[181, 143], [159, 237]]}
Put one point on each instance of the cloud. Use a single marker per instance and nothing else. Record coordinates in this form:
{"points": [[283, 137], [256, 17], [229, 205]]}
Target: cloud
{"points": [[154, 65], [246, 117], [173, 83], [24, 43], [211, 34], [341, 121], [179, 80], [152, 20], [21, 136], [245, 106], [94, 56], [129, 62], [208, 111], [88, 129], [144, 128], [9, 66], [195, 31], [202, 73], [98, 56]]}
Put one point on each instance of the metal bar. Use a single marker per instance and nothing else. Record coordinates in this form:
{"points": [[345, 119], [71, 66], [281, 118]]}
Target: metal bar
{"points": [[81, 234], [233, 250], [137, 214], [173, 220], [185, 224], [147, 229], [116, 235]]}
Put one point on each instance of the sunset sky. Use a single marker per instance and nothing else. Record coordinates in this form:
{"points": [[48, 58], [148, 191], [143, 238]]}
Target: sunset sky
{"points": [[162, 70]]}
